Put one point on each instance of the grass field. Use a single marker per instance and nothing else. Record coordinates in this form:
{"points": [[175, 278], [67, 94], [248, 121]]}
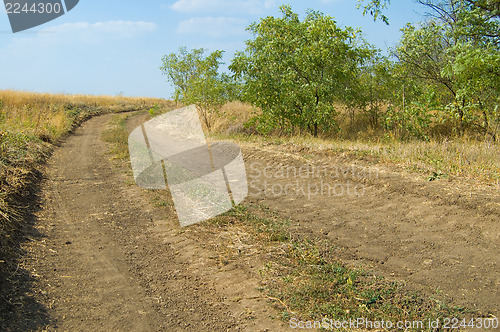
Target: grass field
{"points": [[49, 116]]}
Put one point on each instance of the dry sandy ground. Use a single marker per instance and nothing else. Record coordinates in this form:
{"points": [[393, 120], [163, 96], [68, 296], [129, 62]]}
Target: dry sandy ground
{"points": [[105, 259], [436, 236]]}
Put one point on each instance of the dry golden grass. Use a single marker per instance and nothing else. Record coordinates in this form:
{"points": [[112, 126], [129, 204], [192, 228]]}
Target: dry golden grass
{"points": [[49, 116], [21, 98], [232, 117], [461, 157]]}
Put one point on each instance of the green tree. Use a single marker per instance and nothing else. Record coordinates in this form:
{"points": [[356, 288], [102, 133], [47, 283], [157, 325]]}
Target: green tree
{"points": [[476, 62], [457, 50], [393, 100], [295, 71], [375, 8], [197, 80], [477, 71], [376, 88]]}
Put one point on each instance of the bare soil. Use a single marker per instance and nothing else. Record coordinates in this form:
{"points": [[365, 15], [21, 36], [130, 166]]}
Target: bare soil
{"points": [[102, 257], [438, 236]]}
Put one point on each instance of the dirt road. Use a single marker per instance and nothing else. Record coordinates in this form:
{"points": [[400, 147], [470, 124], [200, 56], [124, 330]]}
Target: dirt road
{"points": [[107, 259], [110, 261]]}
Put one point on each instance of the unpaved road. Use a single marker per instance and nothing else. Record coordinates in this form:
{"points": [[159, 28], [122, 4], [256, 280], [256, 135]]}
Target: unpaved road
{"points": [[108, 260]]}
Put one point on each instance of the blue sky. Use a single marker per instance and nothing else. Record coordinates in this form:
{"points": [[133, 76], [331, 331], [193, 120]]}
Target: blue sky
{"points": [[115, 46]]}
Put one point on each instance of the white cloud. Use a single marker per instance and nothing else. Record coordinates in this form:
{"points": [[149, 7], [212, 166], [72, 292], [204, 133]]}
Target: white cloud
{"points": [[80, 33], [224, 6], [212, 26], [103, 30]]}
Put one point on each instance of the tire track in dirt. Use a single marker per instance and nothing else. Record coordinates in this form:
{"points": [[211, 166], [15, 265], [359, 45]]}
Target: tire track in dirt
{"points": [[236, 280], [91, 284], [433, 235]]}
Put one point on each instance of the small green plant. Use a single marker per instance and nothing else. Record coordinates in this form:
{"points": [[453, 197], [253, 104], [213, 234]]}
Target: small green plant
{"points": [[155, 110], [436, 176], [159, 201]]}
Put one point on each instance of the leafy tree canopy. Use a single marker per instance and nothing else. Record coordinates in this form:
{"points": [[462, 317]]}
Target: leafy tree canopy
{"points": [[296, 70], [197, 80]]}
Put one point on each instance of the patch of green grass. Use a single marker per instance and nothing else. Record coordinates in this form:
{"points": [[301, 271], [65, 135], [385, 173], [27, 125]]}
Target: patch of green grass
{"points": [[157, 110], [160, 200], [267, 226], [117, 135], [311, 285]]}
